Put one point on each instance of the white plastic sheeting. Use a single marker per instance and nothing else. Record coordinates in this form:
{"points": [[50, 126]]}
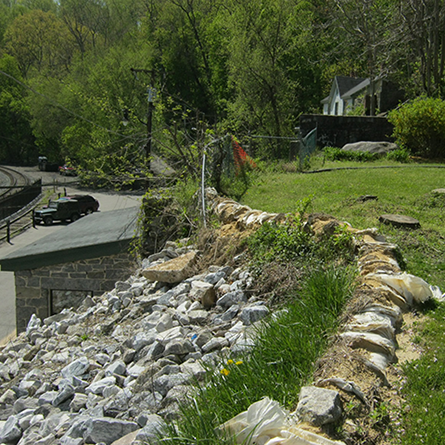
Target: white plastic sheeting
{"points": [[372, 322], [410, 287], [266, 423]]}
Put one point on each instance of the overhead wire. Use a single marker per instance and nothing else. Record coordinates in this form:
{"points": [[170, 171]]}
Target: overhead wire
{"points": [[137, 137]]}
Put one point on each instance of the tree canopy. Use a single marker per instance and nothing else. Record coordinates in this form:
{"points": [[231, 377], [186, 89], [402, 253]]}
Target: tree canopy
{"points": [[71, 70]]}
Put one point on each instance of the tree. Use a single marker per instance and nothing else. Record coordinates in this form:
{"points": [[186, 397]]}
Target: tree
{"points": [[185, 35], [86, 20], [43, 5], [124, 18], [364, 24], [267, 43], [39, 40], [423, 32], [16, 139]]}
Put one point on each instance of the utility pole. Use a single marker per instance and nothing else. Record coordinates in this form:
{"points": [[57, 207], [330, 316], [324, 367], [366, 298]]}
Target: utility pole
{"points": [[151, 98]]}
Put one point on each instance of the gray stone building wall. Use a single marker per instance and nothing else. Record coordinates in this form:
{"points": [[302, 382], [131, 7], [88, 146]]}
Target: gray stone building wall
{"points": [[35, 287]]}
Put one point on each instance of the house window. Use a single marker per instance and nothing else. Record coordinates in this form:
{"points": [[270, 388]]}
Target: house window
{"points": [[336, 109]]}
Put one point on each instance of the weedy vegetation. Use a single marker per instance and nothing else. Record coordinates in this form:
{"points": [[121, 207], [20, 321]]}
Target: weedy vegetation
{"points": [[406, 189], [286, 344], [307, 306]]}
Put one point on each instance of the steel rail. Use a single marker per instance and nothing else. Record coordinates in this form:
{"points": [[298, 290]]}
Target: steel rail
{"points": [[17, 180]]}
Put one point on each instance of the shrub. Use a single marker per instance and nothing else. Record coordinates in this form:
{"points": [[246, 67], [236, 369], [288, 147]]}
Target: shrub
{"points": [[419, 126], [337, 154], [291, 242], [401, 155]]}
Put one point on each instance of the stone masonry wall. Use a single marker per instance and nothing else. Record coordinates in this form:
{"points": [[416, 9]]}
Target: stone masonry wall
{"points": [[33, 286]]}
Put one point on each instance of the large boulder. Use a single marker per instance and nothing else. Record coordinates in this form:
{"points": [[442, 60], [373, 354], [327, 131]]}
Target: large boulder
{"points": [[173, 271], [107, 430], [371, 147], [319, 406]]}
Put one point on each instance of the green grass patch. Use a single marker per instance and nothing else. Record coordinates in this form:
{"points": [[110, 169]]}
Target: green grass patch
{"points": [[424, 389], [400, 189]]}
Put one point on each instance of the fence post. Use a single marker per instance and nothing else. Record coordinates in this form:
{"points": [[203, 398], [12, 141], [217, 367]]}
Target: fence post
{"points": [[8, 231], [33, 219], [203, 189]]}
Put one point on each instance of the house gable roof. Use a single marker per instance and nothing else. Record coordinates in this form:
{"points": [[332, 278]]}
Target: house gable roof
{"points": [[356, 89], [346, 84]]}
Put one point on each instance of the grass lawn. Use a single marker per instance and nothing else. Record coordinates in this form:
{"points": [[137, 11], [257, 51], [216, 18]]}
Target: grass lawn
{"points": [[401, 189]]}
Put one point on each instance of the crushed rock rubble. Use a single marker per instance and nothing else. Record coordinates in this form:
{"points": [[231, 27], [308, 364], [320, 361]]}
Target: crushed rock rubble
{"points": [[114, 370], [120, 363]]}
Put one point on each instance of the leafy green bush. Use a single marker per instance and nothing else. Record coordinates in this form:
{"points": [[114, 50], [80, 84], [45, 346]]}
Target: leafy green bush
{"points": [[279, 242], [401, 155], [167, 214], [337, 154], [290, 241], [419, 126]]}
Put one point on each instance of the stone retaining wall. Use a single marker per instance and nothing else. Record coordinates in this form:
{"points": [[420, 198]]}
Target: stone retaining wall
{"points": [[34, 287]]}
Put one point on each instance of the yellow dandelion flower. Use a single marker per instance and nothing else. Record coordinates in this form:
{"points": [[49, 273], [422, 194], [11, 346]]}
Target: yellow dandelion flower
{"points": [[230, 362], [239, 362], [225, 371]]}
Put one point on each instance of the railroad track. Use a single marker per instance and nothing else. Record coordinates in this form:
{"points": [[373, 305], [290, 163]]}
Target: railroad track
{"points": [[16, 212], [11, 181]]}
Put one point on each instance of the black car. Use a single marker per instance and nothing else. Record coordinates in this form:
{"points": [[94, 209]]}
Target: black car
{"points": [[87, 203]]}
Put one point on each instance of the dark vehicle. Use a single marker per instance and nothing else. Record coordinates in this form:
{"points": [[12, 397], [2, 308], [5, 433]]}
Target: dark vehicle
{"points": [[59, 210], [46, 166], [87, 203]]}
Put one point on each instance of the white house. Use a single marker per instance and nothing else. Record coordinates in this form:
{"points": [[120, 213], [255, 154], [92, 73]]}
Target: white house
{"points": [[348, 92], [344, 90]]}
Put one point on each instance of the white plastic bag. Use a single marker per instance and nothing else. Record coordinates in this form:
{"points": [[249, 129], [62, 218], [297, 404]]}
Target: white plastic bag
{"points": [[412, 288], [262, 420], [266, 423]]}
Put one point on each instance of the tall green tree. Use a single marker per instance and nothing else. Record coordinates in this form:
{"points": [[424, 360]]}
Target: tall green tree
{"points": [[186, 35], [39, 40], [87, 21], [364, 28], [16, 138], [268, 65], [422, 32]]}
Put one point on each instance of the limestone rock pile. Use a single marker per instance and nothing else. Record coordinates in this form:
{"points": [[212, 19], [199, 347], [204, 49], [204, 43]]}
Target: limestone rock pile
{"points": [[118, 365]]}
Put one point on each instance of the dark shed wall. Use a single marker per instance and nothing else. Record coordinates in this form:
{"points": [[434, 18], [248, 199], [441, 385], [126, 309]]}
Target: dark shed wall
{"points": [[336, 131], [33, 286]]}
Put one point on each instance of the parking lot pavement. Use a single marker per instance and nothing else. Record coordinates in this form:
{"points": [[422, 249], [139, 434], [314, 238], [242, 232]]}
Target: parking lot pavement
{"points": [[107, 202]]}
